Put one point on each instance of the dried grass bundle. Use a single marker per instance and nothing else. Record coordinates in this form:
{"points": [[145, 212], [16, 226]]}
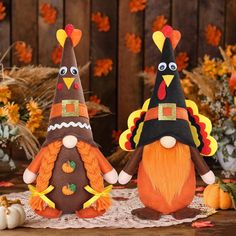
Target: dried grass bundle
{"points": [[35, 82], [149, 78], [27, 140], [207, 87]]}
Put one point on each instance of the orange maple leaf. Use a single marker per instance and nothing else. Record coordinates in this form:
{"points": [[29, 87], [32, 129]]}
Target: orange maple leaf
{"points": [[150, 70], [23, 52], [95, 99], [93, 110], [137, 5], [56, 55], [48, 12], [159, 23], [6, 184], [200, 188], [133, 43], [2, 11], [202, 224], [102, 67], [102, 21], [213, 35], [116, 135], [182, 60]]}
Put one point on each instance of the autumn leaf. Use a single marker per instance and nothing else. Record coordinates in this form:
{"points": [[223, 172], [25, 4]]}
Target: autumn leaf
{"points": [[102, 67], [137, 5], [182, 61], [133, 43], [95, 99], [159, 23], [150, 70], [2, 11], [202, 224], [94, 107], [229, 180], [200, 188], [48, 13], [212, 35], [23, 52], [56, 55], [6, 184], [187, 85], [102, 21], [116, 135]]}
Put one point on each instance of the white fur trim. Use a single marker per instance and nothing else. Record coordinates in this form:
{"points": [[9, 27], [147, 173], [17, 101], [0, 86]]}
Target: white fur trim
{"points": [[67, 125], [209, 177], [111, 177], [168, 141], [124, 178], [29, 177], [69, 141]]}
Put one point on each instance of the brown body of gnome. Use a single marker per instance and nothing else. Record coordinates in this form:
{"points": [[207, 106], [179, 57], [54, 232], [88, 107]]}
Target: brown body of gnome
{"points": [[69, 160], [165, 153]]}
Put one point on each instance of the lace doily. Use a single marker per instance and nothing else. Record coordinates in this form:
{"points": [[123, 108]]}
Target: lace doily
{"points": [[118, 216]]}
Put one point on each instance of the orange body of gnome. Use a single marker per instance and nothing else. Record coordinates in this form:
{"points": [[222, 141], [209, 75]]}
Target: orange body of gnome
{"points": [[167, 136], [69, 169]]}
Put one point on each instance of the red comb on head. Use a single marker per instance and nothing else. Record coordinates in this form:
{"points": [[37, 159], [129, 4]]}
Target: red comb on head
{"points": [[69, 29], [173, 35], [167, 31]]}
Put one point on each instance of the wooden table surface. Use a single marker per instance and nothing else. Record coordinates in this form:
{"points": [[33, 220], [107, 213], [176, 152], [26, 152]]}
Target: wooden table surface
{"points": [[224, 223]]}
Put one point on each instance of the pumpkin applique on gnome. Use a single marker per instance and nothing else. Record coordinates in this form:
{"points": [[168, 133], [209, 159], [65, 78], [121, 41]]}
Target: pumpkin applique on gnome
{"points": [[167, 136], [69, 169]]}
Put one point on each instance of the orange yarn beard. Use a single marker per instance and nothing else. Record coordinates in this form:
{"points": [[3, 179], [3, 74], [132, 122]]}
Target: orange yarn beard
{"points": [[168, 169]]}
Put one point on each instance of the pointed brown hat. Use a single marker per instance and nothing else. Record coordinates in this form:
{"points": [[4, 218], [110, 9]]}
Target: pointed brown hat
{"points": [[69, 114]]}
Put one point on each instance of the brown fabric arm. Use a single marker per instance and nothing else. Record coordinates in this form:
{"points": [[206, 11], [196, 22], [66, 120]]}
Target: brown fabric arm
{"points": [[199, 163], [132, 165]]}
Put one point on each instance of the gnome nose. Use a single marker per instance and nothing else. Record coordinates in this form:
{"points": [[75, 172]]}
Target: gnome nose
{"points": [[68, 81], [168, 79]]}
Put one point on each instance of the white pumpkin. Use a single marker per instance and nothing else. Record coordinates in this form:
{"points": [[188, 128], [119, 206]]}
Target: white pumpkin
{"points": [[12, 214]]}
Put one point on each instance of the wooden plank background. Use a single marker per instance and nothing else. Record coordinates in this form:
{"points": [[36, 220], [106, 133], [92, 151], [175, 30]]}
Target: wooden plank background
{"points": [[122, 90]]}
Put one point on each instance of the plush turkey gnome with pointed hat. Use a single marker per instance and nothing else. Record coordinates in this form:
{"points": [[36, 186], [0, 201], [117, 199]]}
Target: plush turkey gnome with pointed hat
{"points": [[69, 169], [167, 136]]}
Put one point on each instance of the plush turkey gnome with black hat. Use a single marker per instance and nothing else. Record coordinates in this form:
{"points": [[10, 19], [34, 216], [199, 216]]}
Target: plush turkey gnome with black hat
{"points": [[69, 169], [167, 136]]}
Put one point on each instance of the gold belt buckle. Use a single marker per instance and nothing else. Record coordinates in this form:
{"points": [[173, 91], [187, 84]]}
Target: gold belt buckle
{"points": [[66, 113], [162, 107]]}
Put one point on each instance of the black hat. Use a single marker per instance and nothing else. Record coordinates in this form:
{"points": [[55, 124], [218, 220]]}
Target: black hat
{"points": [[167, 114]]}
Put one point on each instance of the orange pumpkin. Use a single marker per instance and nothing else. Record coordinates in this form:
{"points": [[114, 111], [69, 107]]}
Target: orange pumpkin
{"points": [[68, 167], [69, 189], [219, 195]]}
